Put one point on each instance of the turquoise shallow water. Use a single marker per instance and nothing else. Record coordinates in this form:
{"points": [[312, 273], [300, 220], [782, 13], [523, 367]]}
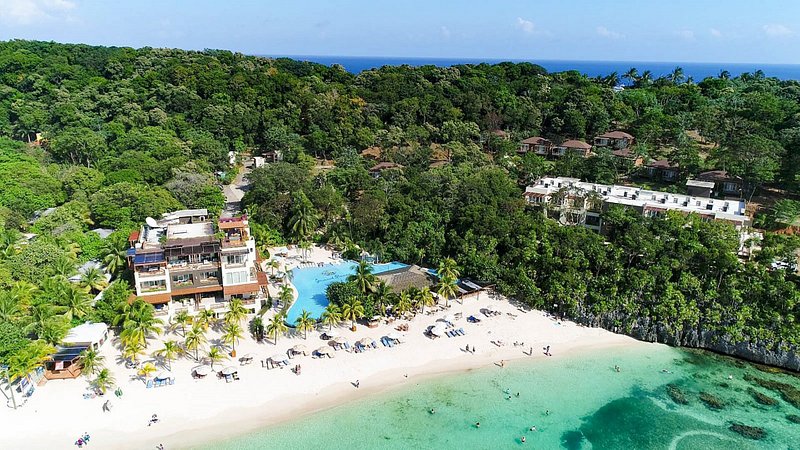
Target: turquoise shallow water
{"points": [[590, 405], [311, 283]]}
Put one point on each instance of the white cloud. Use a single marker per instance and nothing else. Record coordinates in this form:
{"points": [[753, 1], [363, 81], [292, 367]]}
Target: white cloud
{"points": [[525, 25], [445, 32], [23, 12], [606, 33], [715, 32], [687, 35], [777, 30]]}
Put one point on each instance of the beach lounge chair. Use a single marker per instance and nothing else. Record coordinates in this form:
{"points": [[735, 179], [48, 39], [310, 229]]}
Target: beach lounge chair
{"points": [[374, 344], [347, 346], [383, 341], [461, 331]]}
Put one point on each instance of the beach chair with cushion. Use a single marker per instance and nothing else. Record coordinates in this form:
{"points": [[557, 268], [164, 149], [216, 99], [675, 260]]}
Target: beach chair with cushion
{"points": [[374, 344]]}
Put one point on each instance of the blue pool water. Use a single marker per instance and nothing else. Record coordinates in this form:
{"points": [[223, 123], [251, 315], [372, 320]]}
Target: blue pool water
{"points": [[311, 283]]}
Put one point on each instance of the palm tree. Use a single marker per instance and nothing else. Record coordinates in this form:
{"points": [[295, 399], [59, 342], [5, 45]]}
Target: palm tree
{"points": [[404, 303], [24, 361], [93, 280], [646, 78], [195, 339], [92, 361], [113, 253], [631, 75], [447, 288], [215, 355], [257, 328], [305, 246], [677, 76], [273, 264], [231, 334], [277, 327], [448, 268], [146, 370], [425, 298], [9, 308], [63, 267], [182, 318], [205, 319], [286, 294], [236, 311], [331, 316], [104, 381], [76, 302], [132, 349], [303, 220], [352, 310], [305, 323], [169, 352], [363, 278], [141, 324], [381, 295]]}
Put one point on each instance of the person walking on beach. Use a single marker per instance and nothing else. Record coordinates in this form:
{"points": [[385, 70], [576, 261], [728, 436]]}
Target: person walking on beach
{"points": [[106, 407], [357, 384]]}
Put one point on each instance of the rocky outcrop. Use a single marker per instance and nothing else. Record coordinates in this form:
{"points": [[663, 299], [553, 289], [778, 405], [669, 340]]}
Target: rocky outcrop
{"points": [[646, 330]]}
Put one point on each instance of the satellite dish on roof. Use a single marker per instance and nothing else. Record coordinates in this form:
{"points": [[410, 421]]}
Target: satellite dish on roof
{"points": [[151, 222]]}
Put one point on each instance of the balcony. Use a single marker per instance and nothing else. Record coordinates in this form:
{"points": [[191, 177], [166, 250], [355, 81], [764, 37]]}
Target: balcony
{"points": [[151, 273], [184, 267], [233, 243]]}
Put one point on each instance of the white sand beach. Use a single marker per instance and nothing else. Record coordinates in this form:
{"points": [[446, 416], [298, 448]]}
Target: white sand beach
{"points": [[197, 411]]}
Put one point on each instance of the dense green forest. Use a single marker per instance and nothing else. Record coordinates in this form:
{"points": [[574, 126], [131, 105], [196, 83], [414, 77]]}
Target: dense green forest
{"points": [[127, 134]]}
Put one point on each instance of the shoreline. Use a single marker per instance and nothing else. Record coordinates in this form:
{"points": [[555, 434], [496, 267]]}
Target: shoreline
{"points": [[378, 384]]}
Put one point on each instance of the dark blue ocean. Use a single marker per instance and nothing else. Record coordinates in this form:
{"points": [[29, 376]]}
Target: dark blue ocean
{"points": [[698, 71]]}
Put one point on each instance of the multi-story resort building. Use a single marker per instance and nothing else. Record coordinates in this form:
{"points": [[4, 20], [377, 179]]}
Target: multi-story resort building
{"points": [[573, 202], [183, 263]]}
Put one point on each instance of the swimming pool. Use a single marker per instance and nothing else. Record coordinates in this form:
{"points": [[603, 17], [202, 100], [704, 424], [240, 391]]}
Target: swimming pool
{"points": [[311, 283]]}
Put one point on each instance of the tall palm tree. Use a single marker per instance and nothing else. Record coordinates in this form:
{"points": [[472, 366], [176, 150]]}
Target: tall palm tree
{"points": [[92, 361], [24, 361], [182, 318], [141, 324], [352, 310], [76, 302], [257, 328], [170, 351], [215, 355], [380, 295], [448, 268], [277, 326], [131, 349], [273, 264], [113, 253], [205, 319], [331, 316], [303, 220], [104, 381], [286, 294], [425, 298], [9, 308], [631, 75], [677, 76], [231, 334], [93, 280], [195, 339], [404, 303], [305, 246], [23, 293], [305, 323], [447, 288], [236, 311], [363, 278]]}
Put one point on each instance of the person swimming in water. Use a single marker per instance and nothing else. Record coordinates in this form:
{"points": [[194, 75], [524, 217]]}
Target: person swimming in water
{"points": [[433, 411], [477, 424], [523, 439]]}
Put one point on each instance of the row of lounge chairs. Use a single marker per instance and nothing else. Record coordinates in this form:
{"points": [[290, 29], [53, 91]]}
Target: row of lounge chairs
{"points": [[454, 333], [387, 342]]}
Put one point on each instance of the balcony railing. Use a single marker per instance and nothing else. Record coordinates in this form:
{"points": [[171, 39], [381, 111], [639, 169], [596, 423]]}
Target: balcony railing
{"points": [[233, 243], [151, 273], [193, 266]]}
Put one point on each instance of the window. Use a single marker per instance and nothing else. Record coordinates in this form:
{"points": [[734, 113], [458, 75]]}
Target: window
{"points": [[182, 279], [236, 277], [210, 275], [730, 187], [152, 286], [235, 259]]}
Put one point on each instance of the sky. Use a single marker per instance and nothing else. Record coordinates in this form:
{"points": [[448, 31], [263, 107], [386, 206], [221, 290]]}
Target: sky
{"points": [[747, 31]]}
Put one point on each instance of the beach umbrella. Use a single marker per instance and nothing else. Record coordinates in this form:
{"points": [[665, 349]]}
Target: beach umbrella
{"points": [[438, 330], [277, 358], [491, 307], [340, 340], [202, 370], [331, 333], [163, 375], [365, 341], [299, 348], [449, 318], [249, 356], [230, 370], [324, 350], [395, 336]]}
